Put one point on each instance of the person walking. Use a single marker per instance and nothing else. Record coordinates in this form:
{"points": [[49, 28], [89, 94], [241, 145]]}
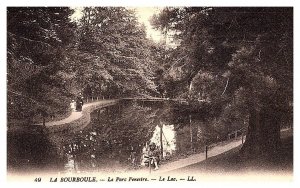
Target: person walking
{"points": [[79, 103]]}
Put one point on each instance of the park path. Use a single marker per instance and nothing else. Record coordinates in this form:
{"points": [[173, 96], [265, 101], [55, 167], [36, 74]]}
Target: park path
{"points": [[166, 168], [215, 150], [76, 115], [196, 158]]}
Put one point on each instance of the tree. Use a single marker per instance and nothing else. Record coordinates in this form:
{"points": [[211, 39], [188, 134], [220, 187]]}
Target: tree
{"points": [[238, 56], [36, 38], [116, 56], [51, 59]]}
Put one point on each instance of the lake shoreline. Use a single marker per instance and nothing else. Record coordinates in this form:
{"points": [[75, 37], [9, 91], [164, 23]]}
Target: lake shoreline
{"points": [[72, 124]]}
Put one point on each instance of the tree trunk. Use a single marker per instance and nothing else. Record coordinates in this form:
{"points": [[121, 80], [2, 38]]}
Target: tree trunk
{"points": [[263, 137]]}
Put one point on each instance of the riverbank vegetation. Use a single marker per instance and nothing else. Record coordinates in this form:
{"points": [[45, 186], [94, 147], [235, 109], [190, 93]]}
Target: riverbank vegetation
{"points": [[230, 65], [236, 62], [51, 59]]}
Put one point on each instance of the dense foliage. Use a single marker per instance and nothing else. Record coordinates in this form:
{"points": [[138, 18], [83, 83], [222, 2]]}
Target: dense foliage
{"points": [[51, 58], [37, 39], [115, 58], [230, 63], [236, 62]]}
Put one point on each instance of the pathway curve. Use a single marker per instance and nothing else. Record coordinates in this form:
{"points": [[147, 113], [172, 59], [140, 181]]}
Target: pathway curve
{"points": [[77, 120], [218, 149], [196, 158], [76, 115], [166, 168]]}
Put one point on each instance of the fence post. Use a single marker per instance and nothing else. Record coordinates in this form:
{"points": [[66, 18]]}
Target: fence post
{"points": [[97, 98], [206, 151], [161, 140], [92, 99]]}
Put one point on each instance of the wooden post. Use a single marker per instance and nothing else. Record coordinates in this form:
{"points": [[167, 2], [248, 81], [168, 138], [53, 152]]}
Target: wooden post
{"points": [[75, 162], [92, 98], [235, 134], [206, 151], [161, 141], [97, 98], [150, 166], [191, 132]]}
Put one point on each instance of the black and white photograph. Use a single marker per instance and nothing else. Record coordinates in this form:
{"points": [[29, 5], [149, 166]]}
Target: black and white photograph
{"points": [[149, 94]]}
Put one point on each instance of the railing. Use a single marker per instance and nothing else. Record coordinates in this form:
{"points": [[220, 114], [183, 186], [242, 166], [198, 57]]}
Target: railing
{"points": [[146, 99], [230, 136], [182, 101], [98, 98], [91, 99], [236, 133]]}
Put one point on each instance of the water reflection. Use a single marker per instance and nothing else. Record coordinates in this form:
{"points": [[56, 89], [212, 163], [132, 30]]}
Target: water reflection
{"points": [[118, 136], [168, 138], [31, 152]]}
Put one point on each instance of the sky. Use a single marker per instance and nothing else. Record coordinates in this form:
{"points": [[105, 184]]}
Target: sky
{"points": [[142, 13]]}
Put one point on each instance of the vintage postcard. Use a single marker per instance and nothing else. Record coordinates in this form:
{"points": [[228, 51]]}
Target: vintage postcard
{"points": [[149, 94]]}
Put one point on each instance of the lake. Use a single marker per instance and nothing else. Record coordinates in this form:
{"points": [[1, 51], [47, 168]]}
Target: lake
{"points": [[116, 139]]}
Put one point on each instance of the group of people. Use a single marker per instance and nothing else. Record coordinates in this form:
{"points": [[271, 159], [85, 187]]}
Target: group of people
{"points": [[77, 105], [152, 156]]}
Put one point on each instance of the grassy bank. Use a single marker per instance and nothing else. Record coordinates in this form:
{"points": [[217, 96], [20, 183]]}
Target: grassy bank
{"points": [[230, 162]]}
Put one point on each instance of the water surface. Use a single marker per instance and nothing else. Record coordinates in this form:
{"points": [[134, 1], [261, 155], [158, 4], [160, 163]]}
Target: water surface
{"points": [[116, 139]]}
